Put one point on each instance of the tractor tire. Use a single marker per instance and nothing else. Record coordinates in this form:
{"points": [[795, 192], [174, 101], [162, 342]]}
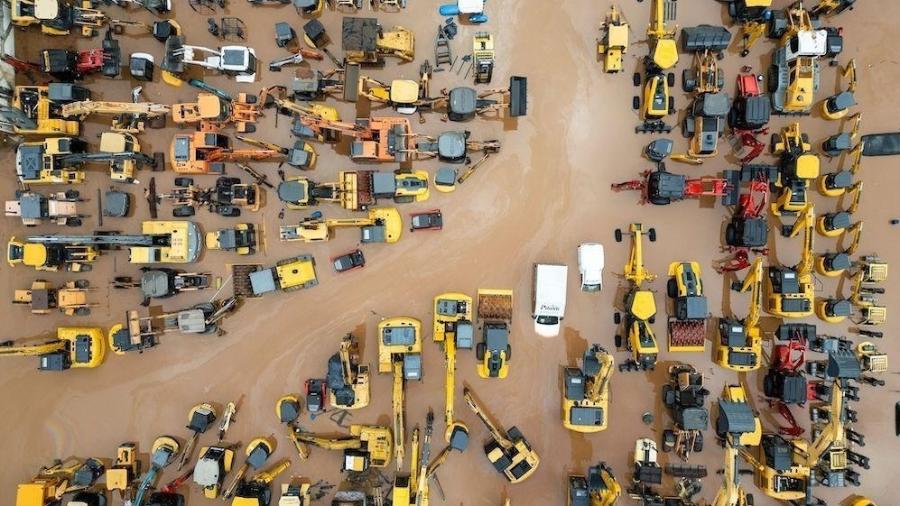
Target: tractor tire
{"points": [[183, 182], [636, 103], [508, 352], [772, 79], [651, 234], [652, 320], [83, 311], [749, 499], [249, 129], [672, 288], [804, 138], [636, 79], [656, 200], [730, 235], [73, 222], [686, 127], [183, 212], [617, 317], [72, 194], [769, 385], [82, 284], [668, 396], [157, 122], [698, 443], [618, 235], [480, 349], [670, 79], [668, 440], [688, 83], [671, 105], [720, 79], [618, 341]]}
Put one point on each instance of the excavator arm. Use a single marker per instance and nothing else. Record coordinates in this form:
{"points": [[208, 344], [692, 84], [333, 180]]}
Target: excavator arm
{"points": [[753, 284], [397, 401], [832, 432], [601, 380], [331, 443], [346, 363], [496, 434], [634, 269], [31, 350], [806, 222], [730, 492], [87, 107], [857, 194], [450, 383], [856, 229]]}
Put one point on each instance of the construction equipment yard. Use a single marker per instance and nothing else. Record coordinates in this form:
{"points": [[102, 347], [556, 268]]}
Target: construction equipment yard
{"points": [[547, 191]]}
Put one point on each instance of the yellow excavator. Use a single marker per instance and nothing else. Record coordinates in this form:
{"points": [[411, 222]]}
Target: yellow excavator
{"points": [[837, 106], [739, 347], [598, 488], [585, 400], [412, 489], [257, 490], [657, 100], [739, 426], [838, 222], [640, 306], [400, 353], [790, 291], [383, 225], [73, 348], [348, 380], [829, 455], [49, 485], [509, 452], [256, 453], [835, 184], [798, 166], [834, 264], [453, 327], [35, 110], [365, 446], [869, 270], [128, 117], [780, 469]]}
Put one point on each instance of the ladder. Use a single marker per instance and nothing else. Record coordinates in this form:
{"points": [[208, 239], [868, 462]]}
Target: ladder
{"points": [[670, 10], [442, 54]]}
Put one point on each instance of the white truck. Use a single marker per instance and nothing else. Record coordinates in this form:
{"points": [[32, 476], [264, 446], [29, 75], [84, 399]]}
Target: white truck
{"points": [[549, 298], [590, 265]]}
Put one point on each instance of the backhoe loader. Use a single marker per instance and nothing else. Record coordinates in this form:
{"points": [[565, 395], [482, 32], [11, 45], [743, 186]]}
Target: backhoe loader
{"points": [[739, 427], [366, 446], [212, 113], [227, 198], [508, 451], [50, 484], [43, 297], [348, 380], [36, 110], [400, 353], [739, 347], [60, 17], [355, 190], [790, 291], [613, 43], [639, 305], [59, 208], [798, 166], [837, 106], [208, 152], [73, 347], [452, 327], [60, 160], [383, 225], [657, 100], [364, 41], [128, 117], [598, 488], [585, 400], [158, 242]]}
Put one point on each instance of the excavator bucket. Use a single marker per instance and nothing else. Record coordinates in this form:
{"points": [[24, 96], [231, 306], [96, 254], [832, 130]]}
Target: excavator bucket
{"points": [[351, 82], [518, 95], [702, 37]]}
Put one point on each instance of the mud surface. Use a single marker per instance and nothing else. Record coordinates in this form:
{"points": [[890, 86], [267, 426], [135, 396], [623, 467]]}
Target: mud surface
{"points": [[546, 192]]}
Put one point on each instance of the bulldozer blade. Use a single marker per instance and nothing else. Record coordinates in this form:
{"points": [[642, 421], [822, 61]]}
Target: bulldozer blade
{"points": [[518, 96], [351, 82]]}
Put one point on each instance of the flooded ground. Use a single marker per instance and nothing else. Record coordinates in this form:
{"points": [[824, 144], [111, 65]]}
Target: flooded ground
{"points": [[546, 192]]}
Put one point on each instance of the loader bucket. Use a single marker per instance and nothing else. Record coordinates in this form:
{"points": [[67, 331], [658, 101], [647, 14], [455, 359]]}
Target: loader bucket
{"points": [[351, 82], [699, 38], [518, 96], [174, 60], [885, 144]]}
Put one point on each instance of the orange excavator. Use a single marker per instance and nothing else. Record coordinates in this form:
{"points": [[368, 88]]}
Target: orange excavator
{"points": [[208, 152]]}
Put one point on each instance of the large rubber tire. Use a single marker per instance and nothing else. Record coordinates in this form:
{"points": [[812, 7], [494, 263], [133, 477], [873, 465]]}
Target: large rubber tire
{"points": [[652, 319], [651, 234], [508, 352], [636, 79], [618, 341], [671, 105], [635, 103], [772, 79], [670, 79], [672, 288], [668, 440], [72, 194], [730, 235], [617, 317], [183, 212], [183, 182], [618, 235], [480, 349], [82, 284], [688, 84], [698, 443]]}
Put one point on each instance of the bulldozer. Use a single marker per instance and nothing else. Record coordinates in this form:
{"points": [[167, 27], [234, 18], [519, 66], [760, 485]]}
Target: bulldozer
{"points": [[639, 305], [657, 100], [128, 117], [364, 41], [798, 166], [366, 446], [400, 353], [347, 379], [73, 348], [599, 488], [158, 242], [585, 401], [241, 239], [37, 110], [790, 291], [288, 275], [508, 451], [43, 297], [212, 113], [59, 208], [739, 347], [383, 225], [613, 43]]}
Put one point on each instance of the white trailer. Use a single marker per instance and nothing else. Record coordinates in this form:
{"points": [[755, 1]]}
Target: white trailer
{"points": [[549, 298]]}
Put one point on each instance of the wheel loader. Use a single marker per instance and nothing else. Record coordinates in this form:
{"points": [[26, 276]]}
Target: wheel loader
{"points": [[656, 102], [43, 297], [798, 166]]}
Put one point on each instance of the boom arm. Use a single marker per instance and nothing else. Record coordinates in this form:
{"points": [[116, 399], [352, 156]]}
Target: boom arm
{"points": [[450, 384], [87, 107], [753, 283], [102, 240], [599, 382], [806, 222], [833, 431], [331, 443], [397, 409], [496, 434], [634, 270], [346, 364], [32, 349], [730, 493]]}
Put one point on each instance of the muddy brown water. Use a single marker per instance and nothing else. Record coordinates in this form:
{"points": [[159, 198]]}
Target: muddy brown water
{"points": [[546, 192]]}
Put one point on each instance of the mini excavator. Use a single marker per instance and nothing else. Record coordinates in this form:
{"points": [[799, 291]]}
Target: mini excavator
{"points": [[640, 307], [400, 353], [348, 380], [508, 451], [837, 106], [585, 401], [52, 482], [657, 100], [837, 183], [838, 222], [258, 489], [739, 347], [790, 291], [383, 225], [73, 347], [366, 446], [598, 488]]}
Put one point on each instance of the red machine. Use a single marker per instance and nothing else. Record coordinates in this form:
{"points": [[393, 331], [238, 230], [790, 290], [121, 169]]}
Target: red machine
{"points": [[749, 116], [786, 379], [748, 230], [661, 187]]}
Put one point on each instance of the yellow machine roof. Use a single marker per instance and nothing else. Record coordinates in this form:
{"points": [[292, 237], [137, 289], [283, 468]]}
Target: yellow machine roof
{"points": [[618, 36], [808, 166], [295, 273], [31, 494], [209, 105], [404, 91], [34, 255], [113, 142]]}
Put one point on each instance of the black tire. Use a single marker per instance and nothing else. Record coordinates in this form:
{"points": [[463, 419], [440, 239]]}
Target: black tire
{"points": [[685, 128], [82, 283], [773, 142], [670, 79], [730, 235], [480, 349], [73, 222], [687, 81], [668, 395], [671, 105], [749, 499], [183, 212], [508, 352], [617, 317], [720, 78], [772, 79], [157, 122], [72, 194], [769, 385], [651, 234], [183, 182], [652, 319], [618, 341], [656, 200], [805, 138], [251, 99], [636, 103], [636, 79], [618, 235], [672, 288], [698, 443]]}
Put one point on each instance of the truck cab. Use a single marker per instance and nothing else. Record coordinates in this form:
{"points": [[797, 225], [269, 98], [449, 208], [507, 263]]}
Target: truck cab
{"points": [[591, 261], [549, 298]]}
